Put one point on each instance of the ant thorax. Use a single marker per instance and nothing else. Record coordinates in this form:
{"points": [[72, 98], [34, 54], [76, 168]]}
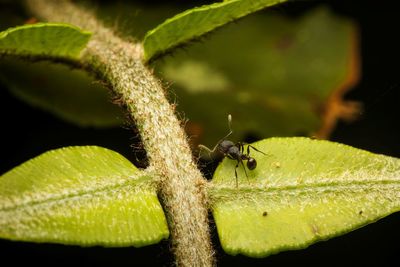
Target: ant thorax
{"points": [[225, 145], [231, 150]]}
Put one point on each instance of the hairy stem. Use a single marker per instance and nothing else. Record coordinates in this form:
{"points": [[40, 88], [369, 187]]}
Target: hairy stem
{"points": [[120, 64]]}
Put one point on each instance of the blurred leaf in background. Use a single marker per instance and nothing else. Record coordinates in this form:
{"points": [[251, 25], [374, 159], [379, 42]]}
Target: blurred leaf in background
{"points": [[275, 75], [70, 94]]}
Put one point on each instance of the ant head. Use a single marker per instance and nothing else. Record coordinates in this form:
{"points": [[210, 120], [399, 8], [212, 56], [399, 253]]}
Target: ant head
{"points": [[251, 163]]}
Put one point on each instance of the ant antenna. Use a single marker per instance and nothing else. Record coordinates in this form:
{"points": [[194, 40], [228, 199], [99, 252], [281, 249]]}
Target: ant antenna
{"points": [[211, 151], [230, 122], [229, 125], [230, 131]]}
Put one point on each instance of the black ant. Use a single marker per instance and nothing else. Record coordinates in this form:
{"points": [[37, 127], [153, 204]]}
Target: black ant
{"points": [[234, 151]]}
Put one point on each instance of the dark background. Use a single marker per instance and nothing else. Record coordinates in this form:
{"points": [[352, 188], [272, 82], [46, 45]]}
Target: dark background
{"points": [[27, 132]]}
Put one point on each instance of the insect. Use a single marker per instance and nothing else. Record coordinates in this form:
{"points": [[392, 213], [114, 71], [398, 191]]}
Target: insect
{"points": [[234, 151]]}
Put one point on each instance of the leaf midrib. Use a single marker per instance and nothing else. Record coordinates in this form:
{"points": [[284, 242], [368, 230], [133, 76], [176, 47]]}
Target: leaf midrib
{"points": [[229, 192], [141, 179]]}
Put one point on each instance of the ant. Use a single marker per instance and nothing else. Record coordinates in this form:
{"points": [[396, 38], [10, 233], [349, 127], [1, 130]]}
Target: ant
{"points": [[234, 151]]}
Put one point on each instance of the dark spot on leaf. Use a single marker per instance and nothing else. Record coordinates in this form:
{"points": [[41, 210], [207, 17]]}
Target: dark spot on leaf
{"points": [[360, 212], [265, 213]]}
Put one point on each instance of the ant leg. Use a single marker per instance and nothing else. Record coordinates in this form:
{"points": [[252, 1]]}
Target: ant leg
{"points": [[241, 147], [236, 176], [250, 146], [244, 168], [237, 165], [203, 147]]}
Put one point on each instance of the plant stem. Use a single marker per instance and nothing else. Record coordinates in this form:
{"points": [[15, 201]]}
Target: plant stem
{"points": [[181, 184]]}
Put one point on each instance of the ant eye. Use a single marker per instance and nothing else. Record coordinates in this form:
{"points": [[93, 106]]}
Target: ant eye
{"points": [[251, 164]]}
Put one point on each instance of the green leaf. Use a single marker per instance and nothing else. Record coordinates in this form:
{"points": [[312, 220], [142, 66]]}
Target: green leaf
{"points": [[301, 192], [196, 22], [277, 79], [44, 39], [70, 94], [81, 195], [136, 18]]}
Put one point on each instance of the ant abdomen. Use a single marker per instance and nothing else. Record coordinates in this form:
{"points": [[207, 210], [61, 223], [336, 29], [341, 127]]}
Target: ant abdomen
{"points": [[251, 163]]}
